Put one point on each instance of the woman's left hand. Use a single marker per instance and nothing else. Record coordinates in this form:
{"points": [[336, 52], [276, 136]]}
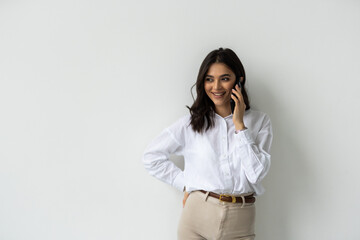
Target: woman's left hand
{"points": [[239, 110], [186, 195]]}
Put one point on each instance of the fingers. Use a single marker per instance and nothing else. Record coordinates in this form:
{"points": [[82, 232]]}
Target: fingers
{"points": [[236, 100], [184, 201], [186, 195], [239, 100], [237, 92]]}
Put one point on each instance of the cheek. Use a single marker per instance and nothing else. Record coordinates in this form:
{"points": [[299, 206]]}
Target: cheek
{"points": [[207, 88], [230, 87]]}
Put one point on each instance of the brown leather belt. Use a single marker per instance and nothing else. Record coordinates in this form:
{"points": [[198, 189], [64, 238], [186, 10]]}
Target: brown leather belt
{"points": [[229, 198]]}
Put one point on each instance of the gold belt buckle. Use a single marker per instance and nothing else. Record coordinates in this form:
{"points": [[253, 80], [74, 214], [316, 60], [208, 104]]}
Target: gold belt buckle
{"points": [[227, 195]]}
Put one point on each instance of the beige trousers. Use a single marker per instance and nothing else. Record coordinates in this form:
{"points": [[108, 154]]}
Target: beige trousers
{"points": [[205, 217]]}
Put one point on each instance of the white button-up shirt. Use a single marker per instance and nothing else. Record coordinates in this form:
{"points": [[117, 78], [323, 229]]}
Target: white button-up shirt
{"points": [[218, 160]]}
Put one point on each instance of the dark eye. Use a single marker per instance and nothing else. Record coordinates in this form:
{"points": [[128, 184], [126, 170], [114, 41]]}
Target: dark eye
{"points": [[208, 79], [226, 79]]}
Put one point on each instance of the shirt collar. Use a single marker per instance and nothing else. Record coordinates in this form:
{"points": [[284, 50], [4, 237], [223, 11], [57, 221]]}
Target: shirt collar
{"points": [[229, 116]]}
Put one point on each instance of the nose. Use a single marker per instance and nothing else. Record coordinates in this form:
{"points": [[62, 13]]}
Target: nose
{"points": [[217, 84]]}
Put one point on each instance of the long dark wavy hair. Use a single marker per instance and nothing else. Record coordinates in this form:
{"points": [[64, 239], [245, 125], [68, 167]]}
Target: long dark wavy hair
{"points": [[203, 110]]}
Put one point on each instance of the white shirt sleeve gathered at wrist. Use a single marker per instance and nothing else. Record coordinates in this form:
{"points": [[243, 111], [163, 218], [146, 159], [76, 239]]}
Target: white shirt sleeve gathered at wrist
{"points": [[237, 131], [255, 154]]}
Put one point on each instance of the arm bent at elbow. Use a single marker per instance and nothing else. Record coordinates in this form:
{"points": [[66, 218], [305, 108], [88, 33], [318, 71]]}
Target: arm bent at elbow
{"points": [[255, 155]]}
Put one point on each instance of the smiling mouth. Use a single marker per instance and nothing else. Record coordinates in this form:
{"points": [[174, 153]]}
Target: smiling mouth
{"points": [[218, 94]]}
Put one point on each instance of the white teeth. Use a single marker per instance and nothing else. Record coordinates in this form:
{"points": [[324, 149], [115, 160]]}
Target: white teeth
{"points": [[218, 94]]}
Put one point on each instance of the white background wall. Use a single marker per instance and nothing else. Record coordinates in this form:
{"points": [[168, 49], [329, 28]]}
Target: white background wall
{"points": [[85, 85]]}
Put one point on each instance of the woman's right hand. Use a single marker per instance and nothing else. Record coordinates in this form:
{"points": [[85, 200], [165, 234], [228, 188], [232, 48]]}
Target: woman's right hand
{"points": [[186, 195]]}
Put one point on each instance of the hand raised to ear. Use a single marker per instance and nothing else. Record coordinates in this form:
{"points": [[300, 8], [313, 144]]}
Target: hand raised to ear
{"points": [[240, 106]]}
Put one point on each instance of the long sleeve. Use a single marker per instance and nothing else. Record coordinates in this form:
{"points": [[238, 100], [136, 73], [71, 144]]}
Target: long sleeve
{"points": [[156, 158], [255, 155]]}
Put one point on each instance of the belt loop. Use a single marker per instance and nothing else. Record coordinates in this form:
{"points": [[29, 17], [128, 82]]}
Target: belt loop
{"points": [[206, 195], [243, 201]]}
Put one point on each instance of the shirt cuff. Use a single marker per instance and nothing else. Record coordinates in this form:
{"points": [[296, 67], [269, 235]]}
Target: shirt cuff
{"points": [[179, 182], [243, 137], [237, 131]]}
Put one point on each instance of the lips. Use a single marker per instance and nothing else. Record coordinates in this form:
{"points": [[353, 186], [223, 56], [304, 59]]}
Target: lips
{"points": [[218, 95]]}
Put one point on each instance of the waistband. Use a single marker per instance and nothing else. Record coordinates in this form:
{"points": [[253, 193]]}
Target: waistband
{"points": [[244, 199]]}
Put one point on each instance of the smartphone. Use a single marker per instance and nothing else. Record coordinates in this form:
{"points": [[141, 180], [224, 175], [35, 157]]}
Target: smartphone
{"points": [[232, 103]]}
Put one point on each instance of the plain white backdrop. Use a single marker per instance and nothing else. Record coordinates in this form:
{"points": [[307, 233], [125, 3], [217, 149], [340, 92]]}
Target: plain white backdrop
{"points": [[85, 85]]}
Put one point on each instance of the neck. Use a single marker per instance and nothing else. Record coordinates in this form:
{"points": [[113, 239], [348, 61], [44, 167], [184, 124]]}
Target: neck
{"points": [[223, 111]]}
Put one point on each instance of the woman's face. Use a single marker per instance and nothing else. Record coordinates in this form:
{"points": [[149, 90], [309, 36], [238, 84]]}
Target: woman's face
{"points": [[219, 82]]}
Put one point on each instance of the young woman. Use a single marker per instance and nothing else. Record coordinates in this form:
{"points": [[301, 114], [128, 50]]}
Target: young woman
{"points": [[226, 154]]}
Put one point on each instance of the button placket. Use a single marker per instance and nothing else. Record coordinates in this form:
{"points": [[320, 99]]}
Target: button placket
{"points": [[223, 135], [224, 154], [230, 181]]}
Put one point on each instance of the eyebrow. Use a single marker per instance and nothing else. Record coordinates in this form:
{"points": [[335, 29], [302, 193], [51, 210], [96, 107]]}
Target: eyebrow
{"points": [[228, 75]]}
